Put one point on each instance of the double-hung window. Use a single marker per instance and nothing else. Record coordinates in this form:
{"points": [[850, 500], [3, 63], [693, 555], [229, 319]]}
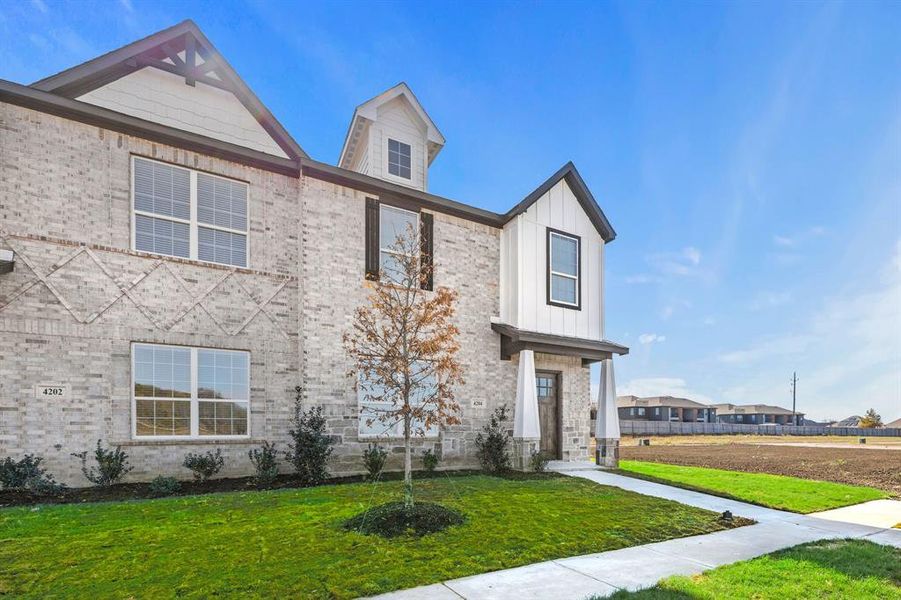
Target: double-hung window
{"points": [[185, 213], [399, 159], [394, 223], [563, 269], [190, 392], [374, 405]]}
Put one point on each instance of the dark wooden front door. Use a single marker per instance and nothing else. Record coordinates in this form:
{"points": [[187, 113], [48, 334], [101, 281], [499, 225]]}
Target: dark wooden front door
{"points": [[548, 413]]}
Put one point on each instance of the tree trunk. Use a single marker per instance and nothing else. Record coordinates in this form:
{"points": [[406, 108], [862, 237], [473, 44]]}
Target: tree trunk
{"points": [[408, 464]]}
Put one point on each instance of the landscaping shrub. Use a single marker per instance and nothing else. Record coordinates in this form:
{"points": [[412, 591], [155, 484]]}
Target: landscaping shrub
{"points": [[112, 465], [395, 519], [374, 458], [429, 460], [164, 486], [493, 443], [538, 461], [265, 464], [27, 474], [204, 465], [311, 446]]}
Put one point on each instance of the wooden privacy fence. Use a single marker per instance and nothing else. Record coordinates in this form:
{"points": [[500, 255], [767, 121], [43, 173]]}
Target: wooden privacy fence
{"points": [[679, 428]]}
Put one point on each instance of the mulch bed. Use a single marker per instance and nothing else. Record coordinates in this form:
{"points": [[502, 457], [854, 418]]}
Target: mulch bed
{"points": [[880, 469], [141, 491]]}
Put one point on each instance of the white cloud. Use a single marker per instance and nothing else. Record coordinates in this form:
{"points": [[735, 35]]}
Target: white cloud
{"points": [[683, 263], [40, 5], [127, 5], [650, 338], [643, 278], [791, 240], [769, 299]]}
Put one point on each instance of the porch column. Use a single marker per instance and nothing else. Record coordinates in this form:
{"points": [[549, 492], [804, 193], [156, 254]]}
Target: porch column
{"points": [[606, 432], [526, 429]]}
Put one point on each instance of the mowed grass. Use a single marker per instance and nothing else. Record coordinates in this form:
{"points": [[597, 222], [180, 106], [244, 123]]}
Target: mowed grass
{"points": [[842, 569], [774, 491], [289, 543]]}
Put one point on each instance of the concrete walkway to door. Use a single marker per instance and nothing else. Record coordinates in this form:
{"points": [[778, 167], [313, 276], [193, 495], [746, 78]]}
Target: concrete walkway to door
{"points": [[638, 567]]}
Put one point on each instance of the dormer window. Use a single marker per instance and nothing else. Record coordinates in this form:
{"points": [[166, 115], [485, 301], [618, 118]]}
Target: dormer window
{"points": [[399, 159], [563, 272]]}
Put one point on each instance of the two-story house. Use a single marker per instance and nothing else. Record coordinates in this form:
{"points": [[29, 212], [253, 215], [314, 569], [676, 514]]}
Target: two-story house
{"points": [[664, 408], [173, 264]]}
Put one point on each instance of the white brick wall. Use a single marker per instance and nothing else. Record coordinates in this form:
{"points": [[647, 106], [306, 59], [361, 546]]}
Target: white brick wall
{"points": [[79, 296]]}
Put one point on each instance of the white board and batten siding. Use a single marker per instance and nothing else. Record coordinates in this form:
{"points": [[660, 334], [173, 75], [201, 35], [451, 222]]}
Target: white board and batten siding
{"points": [[524, 268], [164, 98], [398, 122]]}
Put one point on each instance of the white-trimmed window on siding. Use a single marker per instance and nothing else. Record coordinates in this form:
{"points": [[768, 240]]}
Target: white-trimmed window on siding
{"points": [[189, 214], [400, 159], [564, 273], [184, 392], [393, 223]]}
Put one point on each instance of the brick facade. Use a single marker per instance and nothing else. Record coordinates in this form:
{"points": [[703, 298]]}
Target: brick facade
{"points": [[79, 297]]}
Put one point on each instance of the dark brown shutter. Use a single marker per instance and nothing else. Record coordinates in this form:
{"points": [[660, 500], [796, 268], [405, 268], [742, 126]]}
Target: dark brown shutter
{"points": [[372, 239], [425, 249]]}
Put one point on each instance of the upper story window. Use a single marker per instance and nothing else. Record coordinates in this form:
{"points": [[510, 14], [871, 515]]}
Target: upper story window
{"points": [[393, 222], [563, 269], [190, 392], [399, 161], [185, 213]]}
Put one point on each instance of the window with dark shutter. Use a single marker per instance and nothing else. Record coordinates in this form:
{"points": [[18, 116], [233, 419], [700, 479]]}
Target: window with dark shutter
{"points": [[425, 249], [372, 239]]}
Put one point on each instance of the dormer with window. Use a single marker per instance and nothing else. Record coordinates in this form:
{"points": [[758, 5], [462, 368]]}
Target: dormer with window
{"points": [[392, 138]]}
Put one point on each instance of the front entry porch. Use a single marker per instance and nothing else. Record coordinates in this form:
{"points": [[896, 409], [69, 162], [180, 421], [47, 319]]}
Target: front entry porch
{"points": [[552, 411]]}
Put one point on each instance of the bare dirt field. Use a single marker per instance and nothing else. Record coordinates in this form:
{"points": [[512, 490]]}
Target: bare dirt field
{"points": [[878, 468]]}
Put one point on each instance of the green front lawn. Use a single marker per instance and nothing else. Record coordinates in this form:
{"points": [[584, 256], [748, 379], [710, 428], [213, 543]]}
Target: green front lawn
{"points": [[773, 491], [289, 543], [827, 569]]}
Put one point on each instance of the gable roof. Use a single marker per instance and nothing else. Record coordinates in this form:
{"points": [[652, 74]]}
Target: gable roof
{"points": [[367, 112], [655, 401], [181, 49], [582, 194]]}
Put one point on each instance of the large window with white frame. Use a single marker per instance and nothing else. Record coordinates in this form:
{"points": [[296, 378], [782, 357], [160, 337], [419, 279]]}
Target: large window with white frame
{"points": [[185, 213], [563, 269], [180, 391], [400, 159], [373, 425], [393, 222]]}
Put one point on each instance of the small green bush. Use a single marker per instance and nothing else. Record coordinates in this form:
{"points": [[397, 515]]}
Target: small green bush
{"points": [[395, 519], [429, 460], [310, 446], [374, 458], [265, 464], [164, 486], [27, 474], [204, 465], [112, 465], [493, 443], [538, 461]]}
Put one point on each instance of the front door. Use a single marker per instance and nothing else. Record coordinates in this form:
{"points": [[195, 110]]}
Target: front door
{"points": [[548, 413]]}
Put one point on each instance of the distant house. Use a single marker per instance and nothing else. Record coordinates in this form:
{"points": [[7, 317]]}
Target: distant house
{"points": [[664, 408], [755, 414], [894, 424], [852, 421]]}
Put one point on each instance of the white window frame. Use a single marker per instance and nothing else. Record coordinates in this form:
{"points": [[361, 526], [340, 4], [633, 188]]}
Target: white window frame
{"points": [[551, 272], [192, 223], [388, 174], [194, 400], [418, 226]]}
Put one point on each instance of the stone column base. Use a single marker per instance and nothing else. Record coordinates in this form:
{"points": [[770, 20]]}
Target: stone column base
{"points": [[522, 453], [607, 453]]}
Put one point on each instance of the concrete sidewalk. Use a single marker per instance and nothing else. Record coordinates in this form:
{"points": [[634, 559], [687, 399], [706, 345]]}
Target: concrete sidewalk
{"points": [[642, 566]]}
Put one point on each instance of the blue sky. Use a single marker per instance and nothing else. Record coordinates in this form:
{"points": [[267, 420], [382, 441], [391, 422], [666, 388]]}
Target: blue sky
{"points": [[748, 155]]}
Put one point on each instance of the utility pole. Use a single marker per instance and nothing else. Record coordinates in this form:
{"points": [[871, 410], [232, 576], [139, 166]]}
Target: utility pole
{"points": [[794, 396]]}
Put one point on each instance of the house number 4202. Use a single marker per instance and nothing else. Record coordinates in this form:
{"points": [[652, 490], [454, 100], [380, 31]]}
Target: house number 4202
{"points": [[51, 391]]}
